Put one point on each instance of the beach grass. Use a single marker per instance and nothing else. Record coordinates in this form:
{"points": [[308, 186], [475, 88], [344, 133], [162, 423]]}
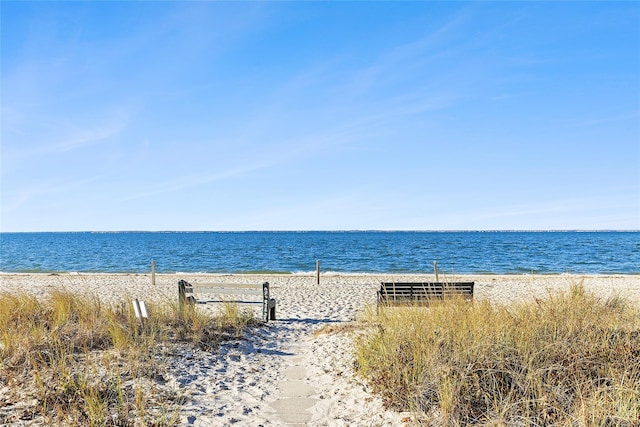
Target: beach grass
{"points": [[72, 360], [571, 359]]}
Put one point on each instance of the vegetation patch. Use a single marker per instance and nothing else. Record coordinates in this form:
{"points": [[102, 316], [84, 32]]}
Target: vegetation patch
{"points": [[571, 359], [71, 360]]}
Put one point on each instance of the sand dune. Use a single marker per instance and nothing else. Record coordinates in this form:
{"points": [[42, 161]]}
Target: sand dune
{"points": [[282, 373]]}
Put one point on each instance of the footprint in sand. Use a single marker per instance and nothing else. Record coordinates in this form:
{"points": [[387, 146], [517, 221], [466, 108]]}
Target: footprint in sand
{"points": [[293, 407]]}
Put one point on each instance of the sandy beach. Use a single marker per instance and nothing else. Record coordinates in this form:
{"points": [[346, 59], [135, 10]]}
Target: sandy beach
{"points": [[282, 373]]}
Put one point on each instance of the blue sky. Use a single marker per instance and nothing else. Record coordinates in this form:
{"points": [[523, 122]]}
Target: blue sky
{"points": [[320, 115]]}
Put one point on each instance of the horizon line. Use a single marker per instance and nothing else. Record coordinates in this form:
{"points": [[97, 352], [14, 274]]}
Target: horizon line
{"points": [[570, 230]]}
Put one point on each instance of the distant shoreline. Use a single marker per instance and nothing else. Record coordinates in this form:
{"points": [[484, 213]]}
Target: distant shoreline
{"points": [[320, 231]]}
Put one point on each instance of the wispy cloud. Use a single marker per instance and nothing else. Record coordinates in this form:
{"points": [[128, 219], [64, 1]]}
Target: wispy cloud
{"points": [[192, 180], [82, 137], [23, 194], [561, 213], [45, 135], [417, 51], [632, 115]]}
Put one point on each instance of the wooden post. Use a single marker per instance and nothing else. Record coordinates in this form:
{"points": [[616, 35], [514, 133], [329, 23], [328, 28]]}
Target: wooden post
{"points": [[318, 272], [182, 294], [153, 273], [435, 268]]}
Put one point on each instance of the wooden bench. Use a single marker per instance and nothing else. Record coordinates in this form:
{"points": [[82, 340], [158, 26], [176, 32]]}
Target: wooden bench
{"points": [[408, 293], [235, 293]]}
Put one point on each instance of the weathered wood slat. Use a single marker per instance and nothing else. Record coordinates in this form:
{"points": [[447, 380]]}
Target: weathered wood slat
{"points": [[230, 301], [228, 291], [227, 285]]}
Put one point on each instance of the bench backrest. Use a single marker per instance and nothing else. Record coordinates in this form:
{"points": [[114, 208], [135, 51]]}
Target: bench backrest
{"points": [[412, 291], [258, 291]]}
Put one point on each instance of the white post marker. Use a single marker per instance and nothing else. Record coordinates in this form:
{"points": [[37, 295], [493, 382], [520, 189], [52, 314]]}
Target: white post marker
{"points": [[140, 308], [143, 310]]}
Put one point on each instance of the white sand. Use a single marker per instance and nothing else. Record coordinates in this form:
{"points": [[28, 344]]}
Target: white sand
{"points": [[281, 374]]}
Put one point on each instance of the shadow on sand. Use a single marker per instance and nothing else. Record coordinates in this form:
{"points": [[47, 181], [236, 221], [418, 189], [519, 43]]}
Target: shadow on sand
{"points": [[308, 321]]}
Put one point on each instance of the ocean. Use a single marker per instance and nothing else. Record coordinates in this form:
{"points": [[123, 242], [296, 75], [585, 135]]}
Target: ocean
{"points": [[499, 252]]}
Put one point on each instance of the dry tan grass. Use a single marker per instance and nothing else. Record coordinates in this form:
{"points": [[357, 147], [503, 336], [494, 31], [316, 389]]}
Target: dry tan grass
{"points": [[569, 360], [70, 360]]}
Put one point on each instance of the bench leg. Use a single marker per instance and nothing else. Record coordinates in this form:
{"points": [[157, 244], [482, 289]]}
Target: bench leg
{"points": [[272, 309]]}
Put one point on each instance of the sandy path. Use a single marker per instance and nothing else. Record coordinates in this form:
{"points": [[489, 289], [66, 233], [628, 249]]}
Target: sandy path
{"points": [[282, 374]]}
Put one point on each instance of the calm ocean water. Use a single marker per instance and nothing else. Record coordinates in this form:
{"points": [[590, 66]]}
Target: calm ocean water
{"points": [[357, 251]]}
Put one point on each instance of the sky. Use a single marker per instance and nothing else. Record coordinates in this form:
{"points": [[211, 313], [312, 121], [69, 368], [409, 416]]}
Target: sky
{"points": [[200, 115]]}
